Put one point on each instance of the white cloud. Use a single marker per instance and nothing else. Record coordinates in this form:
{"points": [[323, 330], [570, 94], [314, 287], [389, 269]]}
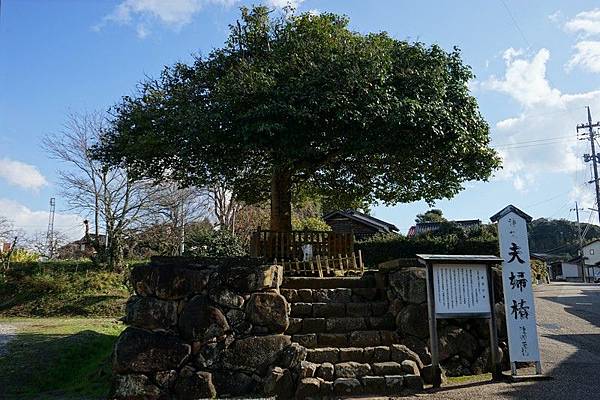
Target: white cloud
{"points": [[542, 138], [525, 80], [143, 13], [587, 56], [507, 123], [32, 221], [285, 3], [586, 22], [555, 16], [20, 174]]}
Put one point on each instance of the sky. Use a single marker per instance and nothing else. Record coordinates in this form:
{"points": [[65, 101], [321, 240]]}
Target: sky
{"points": [[537, 66]]}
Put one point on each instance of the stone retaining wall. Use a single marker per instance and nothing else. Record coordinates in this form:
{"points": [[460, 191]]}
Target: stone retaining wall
{"points": [[201, 330], [208, 328], [464, 343]]}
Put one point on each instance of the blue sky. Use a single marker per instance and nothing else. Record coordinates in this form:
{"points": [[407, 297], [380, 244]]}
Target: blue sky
{"points": [[537, 65]]}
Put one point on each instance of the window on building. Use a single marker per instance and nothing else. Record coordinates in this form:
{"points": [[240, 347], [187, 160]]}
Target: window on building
{"points": [[591, 251], [82, 247]]}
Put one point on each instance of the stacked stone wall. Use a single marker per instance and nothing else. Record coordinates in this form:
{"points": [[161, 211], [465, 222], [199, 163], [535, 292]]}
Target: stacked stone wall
{"points": [[205, 328], [464, 343]]}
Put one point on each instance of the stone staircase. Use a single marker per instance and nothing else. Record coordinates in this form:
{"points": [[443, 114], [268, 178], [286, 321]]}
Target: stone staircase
{"points": [[351, 339]]}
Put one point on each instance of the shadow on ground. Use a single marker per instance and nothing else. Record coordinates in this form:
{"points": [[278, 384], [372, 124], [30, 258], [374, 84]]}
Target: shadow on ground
{"points": [[39, 366]]}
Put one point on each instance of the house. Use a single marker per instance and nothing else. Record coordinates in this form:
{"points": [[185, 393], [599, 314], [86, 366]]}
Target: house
{"points": [[362, 225], [591, 258], [571, 270], [422, 228], [81, 248]]}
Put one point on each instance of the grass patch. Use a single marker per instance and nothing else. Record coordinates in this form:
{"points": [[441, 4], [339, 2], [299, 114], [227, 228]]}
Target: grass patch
{"points": [[57, 358], [459, 380], [62, 289]]}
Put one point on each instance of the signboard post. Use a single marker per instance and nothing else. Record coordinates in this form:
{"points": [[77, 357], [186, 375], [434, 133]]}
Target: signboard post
{"points": [[518, 294], [460, 287]]}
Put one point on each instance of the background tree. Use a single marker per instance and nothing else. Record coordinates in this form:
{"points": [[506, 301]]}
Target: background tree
{"points": [[171, 210], [433, 215], [108, 193], [302, 103]]}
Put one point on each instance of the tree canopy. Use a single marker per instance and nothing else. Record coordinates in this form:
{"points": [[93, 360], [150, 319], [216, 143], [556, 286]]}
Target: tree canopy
{"points": [[433, 215], [303, 104]]}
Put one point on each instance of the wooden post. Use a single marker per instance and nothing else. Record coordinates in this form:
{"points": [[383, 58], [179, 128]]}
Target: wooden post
{"points": [[496, 365], [341, 263], [360, 261], [319, 267], [433, 336], [327, 265]]}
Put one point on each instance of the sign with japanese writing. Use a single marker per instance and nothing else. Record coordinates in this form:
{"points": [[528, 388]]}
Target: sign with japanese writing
{"points": [[516, 279], [461, 289]]}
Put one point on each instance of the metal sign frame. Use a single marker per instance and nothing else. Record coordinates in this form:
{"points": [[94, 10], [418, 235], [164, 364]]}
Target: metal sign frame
{"points": [[429, 260]]}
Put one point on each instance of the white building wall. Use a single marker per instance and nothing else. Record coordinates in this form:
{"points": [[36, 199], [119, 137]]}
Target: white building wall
{"points": [[591, 252], [570, 270]]}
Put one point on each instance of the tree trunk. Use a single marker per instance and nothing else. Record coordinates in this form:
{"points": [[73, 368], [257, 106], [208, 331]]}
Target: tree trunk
{"points": [[281, 201]]}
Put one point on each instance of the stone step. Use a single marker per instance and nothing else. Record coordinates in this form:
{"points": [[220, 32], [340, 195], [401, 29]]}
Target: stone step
{"points": [[369, 355], [365, 281], [368, 385], [364, 338], [327, 310], [334, 295], [341, 325]]}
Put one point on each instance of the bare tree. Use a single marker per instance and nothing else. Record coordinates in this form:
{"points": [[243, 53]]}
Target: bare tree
{"points": [[225, 207], [108, 194], [39, 242], [172, 210]]}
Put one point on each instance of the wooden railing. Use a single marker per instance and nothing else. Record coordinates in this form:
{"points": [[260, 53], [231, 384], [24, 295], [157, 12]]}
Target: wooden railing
{"points": [[288, 246], [324, 266]]}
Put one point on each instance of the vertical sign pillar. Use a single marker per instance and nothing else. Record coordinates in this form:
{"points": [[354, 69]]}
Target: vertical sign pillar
{"points": [[518, 294]]}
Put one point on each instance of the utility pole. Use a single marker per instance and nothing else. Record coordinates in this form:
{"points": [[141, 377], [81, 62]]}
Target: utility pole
{"points": [[593, 157], [50, 233], [576, 209], [182, 244]]}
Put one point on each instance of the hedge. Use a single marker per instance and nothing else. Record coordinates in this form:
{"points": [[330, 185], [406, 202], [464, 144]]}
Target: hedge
{"points": [[389, 247]]}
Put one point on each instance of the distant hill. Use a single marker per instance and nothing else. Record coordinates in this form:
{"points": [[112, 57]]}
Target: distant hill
{"points": [[559, 236]]}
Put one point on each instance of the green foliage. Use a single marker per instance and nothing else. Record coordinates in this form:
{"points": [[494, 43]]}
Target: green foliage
{"points": [[23, 255], [213, 243], [539, 269], [356, 118], [558, 236], [433, 215], [310, 223], [391, 246], [59, 359], [62, 288]]}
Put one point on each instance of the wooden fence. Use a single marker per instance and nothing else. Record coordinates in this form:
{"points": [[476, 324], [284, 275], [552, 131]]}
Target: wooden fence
{"points": [[324, 266], [287, 246]]}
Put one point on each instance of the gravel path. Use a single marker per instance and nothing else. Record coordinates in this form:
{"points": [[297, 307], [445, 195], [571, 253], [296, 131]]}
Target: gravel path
{"points": [[7, 333]]}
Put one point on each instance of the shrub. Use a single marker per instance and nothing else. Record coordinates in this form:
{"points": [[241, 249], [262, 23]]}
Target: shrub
{"points": [[387, 247], [211, 243]]}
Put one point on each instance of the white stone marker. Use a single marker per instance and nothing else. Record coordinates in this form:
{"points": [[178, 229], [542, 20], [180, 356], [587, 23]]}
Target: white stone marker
{"points": [[518, 294]]}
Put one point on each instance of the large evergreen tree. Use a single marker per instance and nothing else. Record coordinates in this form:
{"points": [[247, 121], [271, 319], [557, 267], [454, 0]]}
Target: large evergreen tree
{"points": [[304, 104]]}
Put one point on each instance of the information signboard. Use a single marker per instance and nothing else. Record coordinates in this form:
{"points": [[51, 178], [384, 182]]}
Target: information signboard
{"points": [[460, 286], [461, 289]]}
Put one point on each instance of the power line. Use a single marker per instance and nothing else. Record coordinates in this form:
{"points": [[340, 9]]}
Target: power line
{"points": [[515, 23], [535, 141]]}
